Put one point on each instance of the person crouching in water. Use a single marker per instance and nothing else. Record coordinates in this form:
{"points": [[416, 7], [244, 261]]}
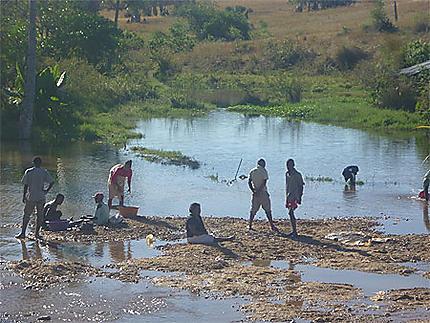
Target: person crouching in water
{"points": [[196, 231], [294, 191]]}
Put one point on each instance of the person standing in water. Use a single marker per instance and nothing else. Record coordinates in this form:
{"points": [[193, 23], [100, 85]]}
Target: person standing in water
{"points": [[116, 182], [260, 197], [34, 195], [293, 192]]}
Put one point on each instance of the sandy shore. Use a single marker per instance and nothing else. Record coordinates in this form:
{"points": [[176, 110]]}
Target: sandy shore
{"points": [[242, 267]]}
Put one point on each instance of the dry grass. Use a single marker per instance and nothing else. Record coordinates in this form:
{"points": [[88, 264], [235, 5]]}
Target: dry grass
{"points": [[324, 31]]}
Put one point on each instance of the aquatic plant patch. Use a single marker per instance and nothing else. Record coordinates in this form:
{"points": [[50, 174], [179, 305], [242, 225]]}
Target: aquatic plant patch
{"points": [[166, 157]]}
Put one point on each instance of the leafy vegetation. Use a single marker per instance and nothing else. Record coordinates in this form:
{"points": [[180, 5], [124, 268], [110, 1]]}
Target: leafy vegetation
{"points": [[176, 58], [166, 157]]}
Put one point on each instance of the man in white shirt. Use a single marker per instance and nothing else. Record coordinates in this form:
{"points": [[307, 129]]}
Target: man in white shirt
{"points": [[34, 195], [260, 197]]}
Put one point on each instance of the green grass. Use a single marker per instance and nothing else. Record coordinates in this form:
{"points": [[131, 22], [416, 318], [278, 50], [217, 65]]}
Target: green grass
{"points": [[166, 157], [340, 110], [319, 179]]}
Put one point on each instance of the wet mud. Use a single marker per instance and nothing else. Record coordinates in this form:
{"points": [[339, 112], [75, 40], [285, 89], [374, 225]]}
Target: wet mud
{"points": [[242, 268]]}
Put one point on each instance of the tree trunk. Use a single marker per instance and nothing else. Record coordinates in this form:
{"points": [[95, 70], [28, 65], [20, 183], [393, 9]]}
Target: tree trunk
{"points": [[27, 105], [116, 13]]}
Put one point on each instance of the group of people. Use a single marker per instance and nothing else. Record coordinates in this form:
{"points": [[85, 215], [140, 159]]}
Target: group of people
{"points": [[257, 183], [34, 197]]}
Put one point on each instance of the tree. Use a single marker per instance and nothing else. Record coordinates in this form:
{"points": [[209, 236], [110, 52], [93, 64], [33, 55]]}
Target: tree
{"points": [[27, 106]]}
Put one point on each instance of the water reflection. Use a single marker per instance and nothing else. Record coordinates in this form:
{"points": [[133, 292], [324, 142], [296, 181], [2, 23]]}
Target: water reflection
{"points": [[116, 250], [36, 254], [218, 141]]}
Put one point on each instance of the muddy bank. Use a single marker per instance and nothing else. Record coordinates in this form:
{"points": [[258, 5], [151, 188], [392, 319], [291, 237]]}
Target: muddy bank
{"points": [[243, 267]]}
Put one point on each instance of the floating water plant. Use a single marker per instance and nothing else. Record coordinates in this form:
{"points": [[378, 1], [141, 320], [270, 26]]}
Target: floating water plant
{"points": [[166, 157]]}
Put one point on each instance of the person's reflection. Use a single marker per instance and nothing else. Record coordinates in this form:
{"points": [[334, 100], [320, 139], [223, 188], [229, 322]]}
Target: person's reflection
{"points": [[349, 191], [261, 262], [129, 254], [426, 216], [25, 253], [116, 249], [99, 249], [294, 277]]}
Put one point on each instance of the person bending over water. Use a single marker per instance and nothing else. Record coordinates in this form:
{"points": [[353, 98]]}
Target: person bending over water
{"points": [[196, 231], [350, 173]]}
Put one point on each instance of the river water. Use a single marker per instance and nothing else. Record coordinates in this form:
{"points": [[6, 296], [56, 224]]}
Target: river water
{"points": [[391, 169]]}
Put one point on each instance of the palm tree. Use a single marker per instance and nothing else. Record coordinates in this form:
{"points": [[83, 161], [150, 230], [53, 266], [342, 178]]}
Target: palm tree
{"points": [[27, 105]]}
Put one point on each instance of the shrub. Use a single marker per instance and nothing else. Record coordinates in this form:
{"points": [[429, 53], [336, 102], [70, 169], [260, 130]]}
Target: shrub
{"points": [[380, 20], [421, 23], [208, 22], [286, 53], [347, 58], [82, 34], [285, 89], [416, 52], [397, 94]]}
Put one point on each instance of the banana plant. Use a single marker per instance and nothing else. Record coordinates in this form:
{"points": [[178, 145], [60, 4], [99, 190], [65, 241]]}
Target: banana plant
{"points": [[48, 81]]}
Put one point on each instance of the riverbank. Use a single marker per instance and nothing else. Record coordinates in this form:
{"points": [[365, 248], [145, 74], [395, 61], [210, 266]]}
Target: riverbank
{"points": [[340, 110], [263, 267]]}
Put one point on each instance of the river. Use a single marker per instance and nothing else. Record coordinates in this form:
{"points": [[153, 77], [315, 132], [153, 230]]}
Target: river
{"points": [[391, 170]]}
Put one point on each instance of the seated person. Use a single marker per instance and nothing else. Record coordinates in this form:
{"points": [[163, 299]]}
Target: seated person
{"points": [[101, 216], [50, 212], [196, 231], [349, 173]]}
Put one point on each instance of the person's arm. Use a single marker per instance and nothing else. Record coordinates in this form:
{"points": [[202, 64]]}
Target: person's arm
{"points": [[24, 195], [250, 185], [286, 188], [302, 183], [129, 181], [49, 187], [45, 210]]}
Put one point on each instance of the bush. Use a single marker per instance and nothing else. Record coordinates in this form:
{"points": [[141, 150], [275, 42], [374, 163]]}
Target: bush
{"points": [[286, 53], [416, 52], [82, 34], [380, 20], [210, 23], [347, 58], [421, 23], [397, 94], [285, 89]]}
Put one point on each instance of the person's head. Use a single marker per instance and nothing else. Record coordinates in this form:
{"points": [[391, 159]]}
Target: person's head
{"points": [[195, 209], [261, 162], [128, 164], [290, 164], [98, 197], [37, 161], [59, 199]]}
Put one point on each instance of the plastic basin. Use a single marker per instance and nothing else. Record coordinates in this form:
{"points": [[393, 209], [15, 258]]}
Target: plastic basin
{"points": [[127, 211]]}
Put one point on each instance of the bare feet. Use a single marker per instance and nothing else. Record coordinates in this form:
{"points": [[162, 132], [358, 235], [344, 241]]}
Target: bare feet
{"points": [[20, 236], [275, 229], [38, 236], [251, 228]]}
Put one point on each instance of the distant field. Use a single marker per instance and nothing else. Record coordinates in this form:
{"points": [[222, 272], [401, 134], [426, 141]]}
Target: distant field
{"points": [[325, 30]]}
